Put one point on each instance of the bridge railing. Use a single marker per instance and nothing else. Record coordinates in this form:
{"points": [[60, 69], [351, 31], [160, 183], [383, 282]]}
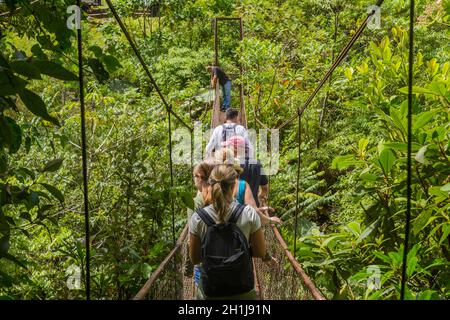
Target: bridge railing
{"points": [[166, 282], [287, 281]]}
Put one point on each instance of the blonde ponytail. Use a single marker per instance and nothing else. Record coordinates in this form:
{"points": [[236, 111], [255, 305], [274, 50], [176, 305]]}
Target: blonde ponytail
{"points": [[222, 180]]}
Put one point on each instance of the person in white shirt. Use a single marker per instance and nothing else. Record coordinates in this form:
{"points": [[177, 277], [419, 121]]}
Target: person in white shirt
{"points": [[226, 131]]}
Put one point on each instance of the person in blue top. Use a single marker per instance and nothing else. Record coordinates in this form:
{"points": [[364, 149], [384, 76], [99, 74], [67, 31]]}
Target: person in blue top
{"points": [[224, 81]]}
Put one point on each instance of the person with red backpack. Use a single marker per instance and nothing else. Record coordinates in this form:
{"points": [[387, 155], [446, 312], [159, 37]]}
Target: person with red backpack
{"points": [[223, 237]]}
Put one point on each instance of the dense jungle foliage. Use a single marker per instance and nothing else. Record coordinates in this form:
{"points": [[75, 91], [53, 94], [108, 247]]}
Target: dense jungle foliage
{"points": [[353, 139]]}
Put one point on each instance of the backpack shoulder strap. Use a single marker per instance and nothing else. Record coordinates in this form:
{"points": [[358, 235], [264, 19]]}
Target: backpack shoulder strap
{"points": [[224, 132], [205, 217], [225, 127], [236, 213]]}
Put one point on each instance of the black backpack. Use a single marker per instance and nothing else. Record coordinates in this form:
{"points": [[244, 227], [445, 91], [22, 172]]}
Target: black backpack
{"points": [[226, 257]]}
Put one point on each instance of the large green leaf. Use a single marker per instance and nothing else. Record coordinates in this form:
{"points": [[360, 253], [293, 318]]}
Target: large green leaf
{"points": [[368, 231], [421, 221], [387, 159], [401, 146], [412, 261], [445, 232], [98, 52], [423, 119], [4, 245], [343, 162], [54, 70], [6, 86], [35, 104], [398, 119], [53, 165], [187, 199], [111, 63], [416, 90], [54, 191], [11, 134], [26, 69], [99, 70], [15, 260]]}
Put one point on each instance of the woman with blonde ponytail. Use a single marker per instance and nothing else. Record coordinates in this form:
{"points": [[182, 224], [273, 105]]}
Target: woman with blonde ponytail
{"points": [[222, 182]]}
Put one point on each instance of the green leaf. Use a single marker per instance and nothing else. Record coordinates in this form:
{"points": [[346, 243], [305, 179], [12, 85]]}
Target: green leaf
{"points": [[343, 162], [14, 259], [445, 232], [37, 51], [362, 144], [416, 90], [146, 270], [446, 187], [368, 231], [5, 282], [35, 104], [368, 177], [54, 70], [111, 63], [328, 242], [26, 171], [4, 245], [99, 70], [6, 86], [412, 261], [387, 159], [349, 73], [187, 199], [354, 227], [3, 62], [98, 52], [11, 134], [54, 191], [382, 256], [26, 69], [439, 88], [123, 279], [401, 146], [53, 165], [421, 221], [423, 119], [398, 119], [438, 192]]}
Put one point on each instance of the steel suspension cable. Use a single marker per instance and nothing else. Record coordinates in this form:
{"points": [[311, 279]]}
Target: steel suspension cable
{"points": [[337, 62], [84, 157], [143, 64], [171, 177], [408, 166], [298, 181]]}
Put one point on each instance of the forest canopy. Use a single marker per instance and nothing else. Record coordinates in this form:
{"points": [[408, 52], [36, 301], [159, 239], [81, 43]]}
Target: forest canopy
{"points": [[353, 177]]}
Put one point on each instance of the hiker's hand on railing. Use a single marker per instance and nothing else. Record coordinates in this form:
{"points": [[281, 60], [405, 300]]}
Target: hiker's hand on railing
{"points": [[267, 211], [275, 220]]}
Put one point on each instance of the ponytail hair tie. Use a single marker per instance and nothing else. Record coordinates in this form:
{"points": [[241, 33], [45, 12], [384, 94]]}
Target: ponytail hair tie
{"points": [[223, 185]]}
